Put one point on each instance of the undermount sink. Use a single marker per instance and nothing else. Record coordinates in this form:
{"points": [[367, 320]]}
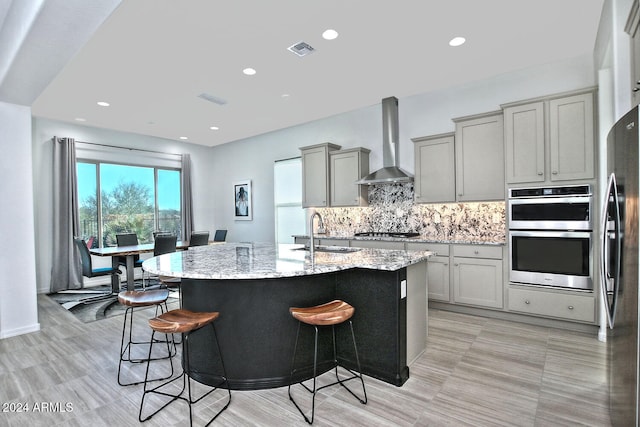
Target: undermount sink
{"points": [[333, 249]]}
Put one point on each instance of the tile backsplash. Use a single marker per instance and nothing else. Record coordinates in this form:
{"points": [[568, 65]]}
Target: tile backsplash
{"points": [[391, 208]]}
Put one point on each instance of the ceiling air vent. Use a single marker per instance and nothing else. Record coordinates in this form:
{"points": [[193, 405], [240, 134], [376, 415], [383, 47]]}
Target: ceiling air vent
{"points": [[212, 98], [301, 49]]}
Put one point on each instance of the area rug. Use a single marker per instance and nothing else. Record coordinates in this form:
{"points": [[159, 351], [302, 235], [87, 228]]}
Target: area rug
{"points": [[95, 303]]}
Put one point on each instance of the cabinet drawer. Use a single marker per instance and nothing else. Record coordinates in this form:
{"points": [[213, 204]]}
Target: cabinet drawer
{"points": [[333, 242], [438, 249], [477, 251], [377, 244], [571, 307]]}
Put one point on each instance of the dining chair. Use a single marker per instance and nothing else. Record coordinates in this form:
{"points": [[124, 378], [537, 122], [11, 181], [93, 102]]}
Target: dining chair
{"points": [[220, 236], [128, 239], [89, 271], [164, 243], [199, 238]]}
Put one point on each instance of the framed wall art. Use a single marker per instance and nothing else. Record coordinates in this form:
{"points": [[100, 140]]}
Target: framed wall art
{"points": [[242, 200]]}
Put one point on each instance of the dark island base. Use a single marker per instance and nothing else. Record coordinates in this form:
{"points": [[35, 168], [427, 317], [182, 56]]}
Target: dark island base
{"points": [[257, 333]]}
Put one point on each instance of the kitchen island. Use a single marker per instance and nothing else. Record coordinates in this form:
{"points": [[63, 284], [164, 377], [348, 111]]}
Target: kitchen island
{"points": [[253, 285]]}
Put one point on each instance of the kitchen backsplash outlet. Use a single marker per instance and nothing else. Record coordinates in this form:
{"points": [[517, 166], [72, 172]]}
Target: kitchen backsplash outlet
{"points": [[391, 209]]}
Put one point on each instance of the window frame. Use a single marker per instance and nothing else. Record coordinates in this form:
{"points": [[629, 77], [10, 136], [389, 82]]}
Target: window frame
{"points": [[156, 209]]}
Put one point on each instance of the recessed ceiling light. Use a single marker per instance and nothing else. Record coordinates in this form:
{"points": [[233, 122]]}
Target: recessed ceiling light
{"points": [[103, 104], [183, 137], [285, 95], [249, 71], [457, 41], [80, 119], [214, 127], [330, 34]]}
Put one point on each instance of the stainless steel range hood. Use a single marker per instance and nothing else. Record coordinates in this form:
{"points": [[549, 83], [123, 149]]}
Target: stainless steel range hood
{"points": [[391, 172]]}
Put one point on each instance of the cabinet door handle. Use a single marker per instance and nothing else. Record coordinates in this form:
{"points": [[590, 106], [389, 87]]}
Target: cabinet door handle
{"points": [[446, 264], [455, 265], [570, 307], [476, 252], [555, 172], [635, 89], [540, 173], [527, 302]]}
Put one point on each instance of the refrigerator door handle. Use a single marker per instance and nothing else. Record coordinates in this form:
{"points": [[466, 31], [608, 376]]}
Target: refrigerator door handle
{"points": [[609, 282]]}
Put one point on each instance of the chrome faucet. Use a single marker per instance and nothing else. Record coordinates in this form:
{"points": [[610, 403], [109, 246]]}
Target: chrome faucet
{"points": [[312, 245]]}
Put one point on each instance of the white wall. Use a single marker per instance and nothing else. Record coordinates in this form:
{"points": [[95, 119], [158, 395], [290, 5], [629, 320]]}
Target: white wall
{"points": [[44, 130], [420, 115], [18, 309]]}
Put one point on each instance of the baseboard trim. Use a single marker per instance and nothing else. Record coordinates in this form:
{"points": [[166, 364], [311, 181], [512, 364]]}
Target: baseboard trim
{"points": [[20, 331], [515, 317]]}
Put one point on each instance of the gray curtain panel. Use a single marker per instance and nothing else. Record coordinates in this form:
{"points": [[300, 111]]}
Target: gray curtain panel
{"points": [[187, 202], [66, 272]]}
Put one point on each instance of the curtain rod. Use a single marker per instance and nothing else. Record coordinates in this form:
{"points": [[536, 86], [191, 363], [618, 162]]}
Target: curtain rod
{"points": [[129, 148]]}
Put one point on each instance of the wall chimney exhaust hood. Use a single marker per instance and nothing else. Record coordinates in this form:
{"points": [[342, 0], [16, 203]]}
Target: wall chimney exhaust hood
{"points": [[390, 172]]}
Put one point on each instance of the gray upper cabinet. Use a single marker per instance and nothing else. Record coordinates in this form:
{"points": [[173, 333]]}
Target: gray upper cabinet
{"points": [[315, 174], [479, 152], [632, 27], [571, 137], [346, 167], [435, 168], [524, 142], [550, 139]]}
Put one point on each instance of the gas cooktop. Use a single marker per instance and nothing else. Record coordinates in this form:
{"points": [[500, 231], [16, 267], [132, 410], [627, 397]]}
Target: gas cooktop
{"points": [[386, 234]]}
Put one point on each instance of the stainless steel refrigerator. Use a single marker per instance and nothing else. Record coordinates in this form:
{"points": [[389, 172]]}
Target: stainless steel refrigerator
{"points": [[619, 266]]}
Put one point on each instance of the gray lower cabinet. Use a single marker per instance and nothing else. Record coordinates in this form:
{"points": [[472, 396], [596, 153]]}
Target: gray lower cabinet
{"points": [[378, 244], [567, 306], [477, 275], [333, 242], [301, 240], [437, 269]]}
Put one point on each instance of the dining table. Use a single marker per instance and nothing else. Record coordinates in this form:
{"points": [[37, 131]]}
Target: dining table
{"points": [[129, 252]]}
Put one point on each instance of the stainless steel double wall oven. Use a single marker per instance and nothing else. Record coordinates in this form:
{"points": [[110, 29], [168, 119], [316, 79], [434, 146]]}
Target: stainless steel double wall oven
{"points": [[551, 236]]}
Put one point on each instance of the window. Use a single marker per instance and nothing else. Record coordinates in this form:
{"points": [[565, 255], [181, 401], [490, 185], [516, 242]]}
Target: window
{"points": [[116, 198], [289, 215]]}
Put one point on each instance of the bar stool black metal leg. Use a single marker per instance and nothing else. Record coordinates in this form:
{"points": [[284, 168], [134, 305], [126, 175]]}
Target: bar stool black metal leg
{"points": [[126, 349], [355, 375], [315, 366], [186, 383], [340, 381]]}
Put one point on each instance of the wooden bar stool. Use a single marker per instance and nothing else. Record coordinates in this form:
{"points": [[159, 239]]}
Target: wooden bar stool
{"points": [[142, 299], [184, 322], [330, 314]]}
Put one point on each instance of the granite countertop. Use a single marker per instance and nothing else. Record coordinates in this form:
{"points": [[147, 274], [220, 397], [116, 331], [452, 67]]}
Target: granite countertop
{"points": [[267, 260], [418, 239]]}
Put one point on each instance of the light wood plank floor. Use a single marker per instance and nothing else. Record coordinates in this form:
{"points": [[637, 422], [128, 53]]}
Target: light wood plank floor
{"points": [[475, 372]]}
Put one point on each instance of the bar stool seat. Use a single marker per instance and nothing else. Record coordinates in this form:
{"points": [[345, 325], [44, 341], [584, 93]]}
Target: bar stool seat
{"points": [[184, 322], [141, 299], [181, 321], [331, 314]]}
